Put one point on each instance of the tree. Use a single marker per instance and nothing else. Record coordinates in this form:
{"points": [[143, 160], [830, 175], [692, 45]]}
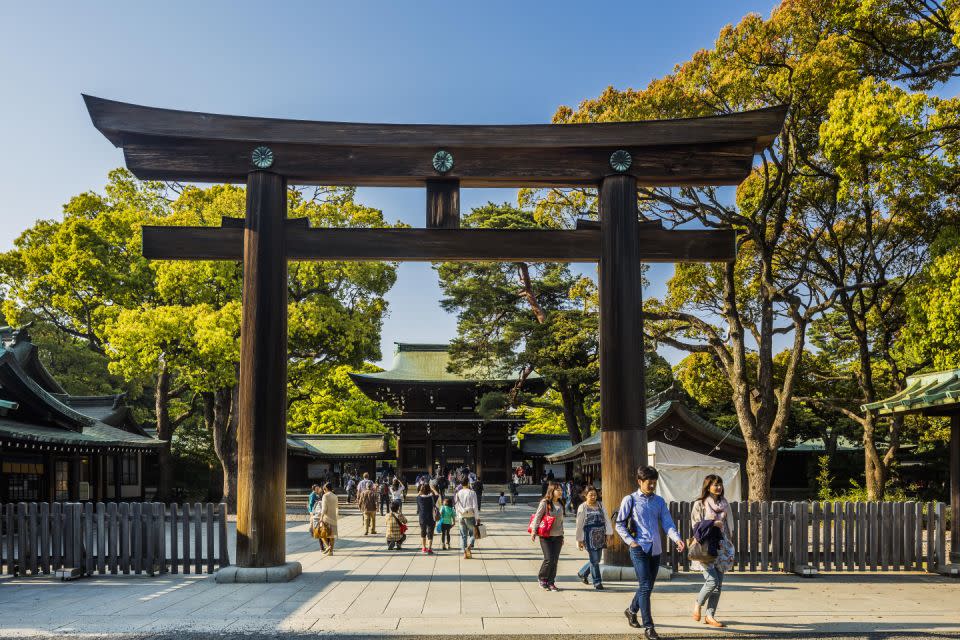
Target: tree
{"points": [[520, 317], [932, 332], [808, 56]]}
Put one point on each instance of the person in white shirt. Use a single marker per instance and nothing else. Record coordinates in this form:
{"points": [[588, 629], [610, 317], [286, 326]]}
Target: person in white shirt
{"points": [[466, 505]]}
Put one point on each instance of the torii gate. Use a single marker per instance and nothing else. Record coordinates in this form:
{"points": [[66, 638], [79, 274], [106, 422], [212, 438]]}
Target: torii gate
{"points": [[268, 154]]}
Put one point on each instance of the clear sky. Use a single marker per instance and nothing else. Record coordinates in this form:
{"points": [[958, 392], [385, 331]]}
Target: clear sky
{"points": [[416, 61]]}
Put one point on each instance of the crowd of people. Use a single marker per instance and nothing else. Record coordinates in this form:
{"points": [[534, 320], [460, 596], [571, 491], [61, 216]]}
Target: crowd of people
{"points": [[638, 521]]}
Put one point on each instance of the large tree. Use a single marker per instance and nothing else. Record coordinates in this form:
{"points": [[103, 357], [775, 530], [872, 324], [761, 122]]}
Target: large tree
{"points": [[517, 317]]}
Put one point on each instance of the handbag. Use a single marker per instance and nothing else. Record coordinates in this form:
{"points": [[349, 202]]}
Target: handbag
{"points": [[315, 531], [697, 551], [725, 556], [543, 529], [439, 528], [323, 531], [480, 531]]}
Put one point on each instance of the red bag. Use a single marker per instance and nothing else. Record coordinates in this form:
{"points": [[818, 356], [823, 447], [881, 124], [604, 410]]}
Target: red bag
{"points": [[543, 529]]}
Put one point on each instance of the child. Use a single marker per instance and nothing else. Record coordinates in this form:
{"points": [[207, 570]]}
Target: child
{"points": [[502, 501], [396, 527], [447, 514]]}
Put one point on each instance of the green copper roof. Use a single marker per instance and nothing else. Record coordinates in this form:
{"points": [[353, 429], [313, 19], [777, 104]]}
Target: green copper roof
{"points": [[338, 445], [96, 434], [544, 444], [926, 392], [655, 412], [428, 363]]}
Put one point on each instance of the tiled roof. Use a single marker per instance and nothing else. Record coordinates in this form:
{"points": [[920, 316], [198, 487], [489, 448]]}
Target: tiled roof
{"points": [[428, 363], [544, 444], [96, 434], [338, 445], [658, 408], [939, 391]]}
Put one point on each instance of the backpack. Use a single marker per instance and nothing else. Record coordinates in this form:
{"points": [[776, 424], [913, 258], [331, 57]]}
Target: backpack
{"points": [[631, 523]]}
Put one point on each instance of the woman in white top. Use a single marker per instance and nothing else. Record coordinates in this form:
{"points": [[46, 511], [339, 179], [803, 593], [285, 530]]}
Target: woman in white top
{"points": [[593, 527], [711, 506]]}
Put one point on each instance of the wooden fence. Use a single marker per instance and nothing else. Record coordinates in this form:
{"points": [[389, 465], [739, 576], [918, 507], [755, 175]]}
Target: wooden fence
{"points": [[125, 537], [829, 536]]}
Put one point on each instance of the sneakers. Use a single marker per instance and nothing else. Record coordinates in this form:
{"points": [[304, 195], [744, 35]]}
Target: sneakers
{"points": [[423, 549], [553, 587], [545, 585], [429, 551]]}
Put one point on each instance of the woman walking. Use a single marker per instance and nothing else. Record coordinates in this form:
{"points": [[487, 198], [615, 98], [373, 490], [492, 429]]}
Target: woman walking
{"points": [[593, 527], [327, 513], [427, 514], [551, 538], [713, 507], [447, 514]]}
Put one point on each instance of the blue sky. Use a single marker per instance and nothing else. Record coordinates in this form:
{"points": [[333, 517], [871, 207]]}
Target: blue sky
{"points": [[442, 62]]}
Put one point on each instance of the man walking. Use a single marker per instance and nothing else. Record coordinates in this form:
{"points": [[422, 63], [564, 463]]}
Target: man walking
{"points": [[384, 496], [368, 501], [639, 520], [365, 483]]}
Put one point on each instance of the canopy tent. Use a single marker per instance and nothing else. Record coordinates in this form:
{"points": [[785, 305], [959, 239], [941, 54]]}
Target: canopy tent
{"points": [[682, 472]]}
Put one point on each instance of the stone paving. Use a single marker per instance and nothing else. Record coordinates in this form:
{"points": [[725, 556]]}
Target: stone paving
{"points": [[365, 590]]}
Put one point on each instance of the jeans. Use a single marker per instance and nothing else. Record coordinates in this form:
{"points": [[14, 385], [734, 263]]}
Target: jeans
{"points": [[467, 534], [645, 566], [592, 566], [550, 546], [384, 504], [710, 593]]}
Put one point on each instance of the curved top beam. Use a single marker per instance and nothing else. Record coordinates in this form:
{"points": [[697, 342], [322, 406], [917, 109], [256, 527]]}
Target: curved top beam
{"points": [[185, 145]]}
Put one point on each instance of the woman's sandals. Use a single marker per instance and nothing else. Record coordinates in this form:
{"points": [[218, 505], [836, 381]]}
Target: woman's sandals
{"points": [[696, 612]]}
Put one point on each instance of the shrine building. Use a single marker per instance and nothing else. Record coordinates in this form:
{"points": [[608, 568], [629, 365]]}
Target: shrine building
{"points": [[435, 413]]}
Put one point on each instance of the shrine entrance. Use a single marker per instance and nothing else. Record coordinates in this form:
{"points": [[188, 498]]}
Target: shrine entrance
{"points": [[269, 154]]}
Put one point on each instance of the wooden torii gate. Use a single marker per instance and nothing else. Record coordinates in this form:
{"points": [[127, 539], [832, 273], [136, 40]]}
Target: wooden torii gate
{"points": [[269, 154]]}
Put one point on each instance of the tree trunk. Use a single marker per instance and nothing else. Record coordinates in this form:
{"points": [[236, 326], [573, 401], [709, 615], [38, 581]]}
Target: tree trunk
{"points": [[874, 469], [164, 433], [760, 461], [570, 413], [220, 415]]}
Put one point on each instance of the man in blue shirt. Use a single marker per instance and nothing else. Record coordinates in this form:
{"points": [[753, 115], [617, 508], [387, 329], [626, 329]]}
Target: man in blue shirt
{"points": [[639, 520]]}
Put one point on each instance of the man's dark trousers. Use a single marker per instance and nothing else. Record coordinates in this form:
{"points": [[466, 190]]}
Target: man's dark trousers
{"points": [[646, 567]]}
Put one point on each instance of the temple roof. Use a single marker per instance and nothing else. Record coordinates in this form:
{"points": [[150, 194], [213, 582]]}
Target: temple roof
{"points": [[936, 393], [544, 444], [660, 409], [339, 445], [429, 363], [34, 408]]}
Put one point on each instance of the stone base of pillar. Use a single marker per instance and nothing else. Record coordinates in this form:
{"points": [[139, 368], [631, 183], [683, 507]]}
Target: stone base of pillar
{"points": [[616, 573], [281, 573], [952, 570]]}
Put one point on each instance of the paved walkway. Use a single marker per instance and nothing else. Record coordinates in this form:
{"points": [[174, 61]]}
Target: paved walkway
{"points": [[366, 590]]}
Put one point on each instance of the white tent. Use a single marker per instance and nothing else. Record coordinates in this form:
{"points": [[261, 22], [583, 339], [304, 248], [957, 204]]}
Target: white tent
{"points": [[682, 472]]}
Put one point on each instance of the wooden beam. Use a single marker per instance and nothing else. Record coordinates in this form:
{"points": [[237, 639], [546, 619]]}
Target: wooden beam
{"points": [[121, 121], [261, 429], [443, 204], [724, 163], [622, 392], [438, 245], [163, 144]]}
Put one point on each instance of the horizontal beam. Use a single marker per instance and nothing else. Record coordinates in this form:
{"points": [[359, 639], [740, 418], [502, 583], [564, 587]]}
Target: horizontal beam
{"points": [[715, 164], [439, 245], [162, 144]]}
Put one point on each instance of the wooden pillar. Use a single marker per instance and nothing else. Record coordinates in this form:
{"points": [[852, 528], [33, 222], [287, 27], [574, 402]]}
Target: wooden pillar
{"points": [[73, 482], [117, 470], [261, 430], [477, 463], [955, 488], [622, 391], [443, 204]]}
